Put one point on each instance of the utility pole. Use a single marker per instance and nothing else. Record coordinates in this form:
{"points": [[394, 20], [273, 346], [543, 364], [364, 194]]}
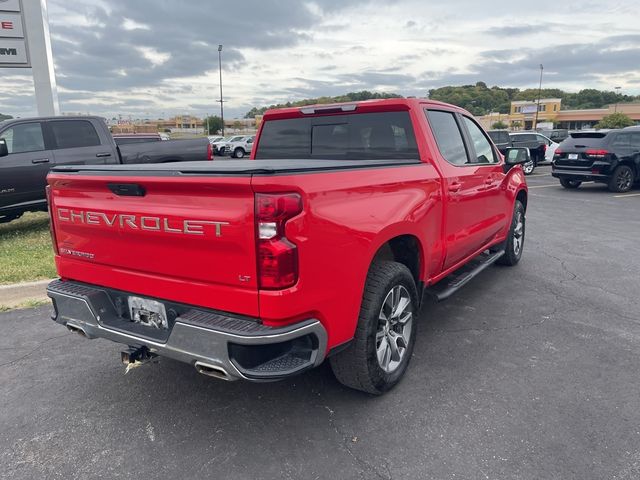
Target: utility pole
{"points": [[615, 109], [221, 100], [535, 123]]}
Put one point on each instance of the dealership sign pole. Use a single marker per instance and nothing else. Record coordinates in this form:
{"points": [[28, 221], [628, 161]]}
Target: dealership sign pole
{"points": [[25, 43]]}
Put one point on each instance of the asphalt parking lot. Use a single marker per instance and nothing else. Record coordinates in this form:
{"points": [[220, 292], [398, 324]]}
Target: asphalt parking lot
{"points": [[528, 373]]}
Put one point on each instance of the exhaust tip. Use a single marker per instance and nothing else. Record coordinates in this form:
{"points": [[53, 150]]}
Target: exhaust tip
{"points": [[212, 371], [76, 329]]}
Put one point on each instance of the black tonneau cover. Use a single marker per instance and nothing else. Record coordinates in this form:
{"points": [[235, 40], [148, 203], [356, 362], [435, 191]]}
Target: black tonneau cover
{"points": [[231, 167]]}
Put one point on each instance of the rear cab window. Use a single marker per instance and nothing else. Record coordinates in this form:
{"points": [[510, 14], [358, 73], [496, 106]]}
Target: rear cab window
{"points": [[357, 136]]}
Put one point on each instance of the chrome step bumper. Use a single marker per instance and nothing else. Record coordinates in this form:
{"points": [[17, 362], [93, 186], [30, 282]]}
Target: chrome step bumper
{"points": [[242, 347]]}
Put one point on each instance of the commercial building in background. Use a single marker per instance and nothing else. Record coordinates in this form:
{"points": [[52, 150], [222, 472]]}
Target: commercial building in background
{"points": [[522, 115]]}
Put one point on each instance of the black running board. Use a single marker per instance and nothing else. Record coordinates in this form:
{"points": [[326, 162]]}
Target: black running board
{"points": [[458, 279]]}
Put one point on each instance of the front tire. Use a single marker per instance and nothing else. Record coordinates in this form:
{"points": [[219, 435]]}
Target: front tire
{"points": [[570, 184], [515, 242], [238, 153], [529, 167], [621, 180], [379, 354]]}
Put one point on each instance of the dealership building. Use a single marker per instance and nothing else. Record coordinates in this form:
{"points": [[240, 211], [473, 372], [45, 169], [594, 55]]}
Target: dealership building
{"points": [[522, 115]]}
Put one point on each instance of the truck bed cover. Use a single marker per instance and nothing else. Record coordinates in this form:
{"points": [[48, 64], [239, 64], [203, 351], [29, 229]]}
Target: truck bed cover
{"points": [[232, 167]]}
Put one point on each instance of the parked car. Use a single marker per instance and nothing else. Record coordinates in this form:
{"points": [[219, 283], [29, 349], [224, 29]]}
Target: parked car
{"points": [[320, 246], [535, 142], [504, 141], [611, 157], [219, 146], [31, 146], [239, 148], [213, 139], [556, 135]]}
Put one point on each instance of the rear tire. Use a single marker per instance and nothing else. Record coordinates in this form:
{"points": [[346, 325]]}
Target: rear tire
{"points": [[622, 179], [514, 245], [381, 349], [570, 184], [238, 153]]}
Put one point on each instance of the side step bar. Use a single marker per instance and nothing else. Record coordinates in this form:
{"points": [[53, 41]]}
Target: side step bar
{"points": [[458, 279]]}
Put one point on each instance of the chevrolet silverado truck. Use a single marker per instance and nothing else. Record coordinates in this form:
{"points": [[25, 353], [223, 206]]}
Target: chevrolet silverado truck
{"points": [[321, 246], [29, 147]]}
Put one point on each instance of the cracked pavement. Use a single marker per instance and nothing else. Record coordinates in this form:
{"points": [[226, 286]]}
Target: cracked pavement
{"points": [[527, 373]]}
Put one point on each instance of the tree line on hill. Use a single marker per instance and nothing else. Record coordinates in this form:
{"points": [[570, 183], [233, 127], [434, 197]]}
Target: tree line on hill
{"points": [[479, 99]]}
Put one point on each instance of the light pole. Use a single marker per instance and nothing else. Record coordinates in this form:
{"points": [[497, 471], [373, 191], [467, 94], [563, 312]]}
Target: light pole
{"points": [[615, 109], [535, 124], [221, 100]]}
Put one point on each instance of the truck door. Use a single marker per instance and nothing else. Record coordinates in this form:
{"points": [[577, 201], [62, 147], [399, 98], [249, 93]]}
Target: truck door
{"points": [[76, 142], [23, 172], [470, 177]]}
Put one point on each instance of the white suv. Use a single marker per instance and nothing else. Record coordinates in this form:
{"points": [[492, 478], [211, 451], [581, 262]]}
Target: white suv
{"points": [[240, 147]]}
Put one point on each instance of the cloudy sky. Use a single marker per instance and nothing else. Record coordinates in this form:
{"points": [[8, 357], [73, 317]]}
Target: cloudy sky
{"points": [[151, 58]]}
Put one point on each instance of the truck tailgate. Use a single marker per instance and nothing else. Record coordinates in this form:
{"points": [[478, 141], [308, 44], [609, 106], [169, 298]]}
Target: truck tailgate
{"points": [[190, 240]]}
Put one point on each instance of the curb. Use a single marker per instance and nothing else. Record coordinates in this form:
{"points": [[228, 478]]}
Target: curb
{"points": [[16, 294]]}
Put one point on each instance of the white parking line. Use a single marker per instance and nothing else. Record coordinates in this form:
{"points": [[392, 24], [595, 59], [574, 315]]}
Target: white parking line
{"points": [[544, 186], [625, 195], [540, 175]]}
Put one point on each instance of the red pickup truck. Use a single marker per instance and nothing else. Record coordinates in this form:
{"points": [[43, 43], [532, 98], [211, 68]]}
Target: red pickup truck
{"points": [[320, 246]]}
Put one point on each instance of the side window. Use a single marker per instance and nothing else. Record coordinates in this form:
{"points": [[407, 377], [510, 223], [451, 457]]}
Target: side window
{"points": [[74, 133], [448, 136], [635, 141], [481, 144], [622, 140], [25, 137]]}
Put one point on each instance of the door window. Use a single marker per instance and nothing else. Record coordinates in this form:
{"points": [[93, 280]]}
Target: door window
{"points": [[448, 136], [481, 144], [74, 134], [635, 141], [25, 137]]}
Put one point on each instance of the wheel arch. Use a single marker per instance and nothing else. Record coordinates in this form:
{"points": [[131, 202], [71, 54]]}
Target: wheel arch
{"points": [[404, 248], [523, 197]]}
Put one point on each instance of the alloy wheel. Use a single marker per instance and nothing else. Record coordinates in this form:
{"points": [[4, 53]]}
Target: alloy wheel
{"points": [[395, 323]]}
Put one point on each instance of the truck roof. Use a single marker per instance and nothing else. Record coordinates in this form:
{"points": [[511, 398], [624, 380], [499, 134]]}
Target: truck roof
{"points": [[58, 117], [381, 105]]}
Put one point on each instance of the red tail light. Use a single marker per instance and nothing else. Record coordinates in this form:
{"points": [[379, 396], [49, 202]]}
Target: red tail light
{"points": [[593, 153], [277, 256], [557, 152], [209, 151], [52, 231]]}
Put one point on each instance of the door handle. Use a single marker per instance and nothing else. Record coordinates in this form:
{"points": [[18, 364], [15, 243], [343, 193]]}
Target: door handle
{"points": [[103, 154], [455, 187], [488, 181], [40, 160]]}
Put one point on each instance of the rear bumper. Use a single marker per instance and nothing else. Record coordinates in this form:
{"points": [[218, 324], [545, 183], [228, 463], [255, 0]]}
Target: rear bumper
{"points": [[581, 175], [239, 347]]}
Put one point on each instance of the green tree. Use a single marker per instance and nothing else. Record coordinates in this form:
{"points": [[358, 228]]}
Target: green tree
{"points": [[4, 117], [615, 120], [499, 125], [348, 97], [215, 124]]}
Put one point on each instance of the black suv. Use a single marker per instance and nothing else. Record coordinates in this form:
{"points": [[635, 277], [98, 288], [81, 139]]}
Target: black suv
{"points": [[611, 157]]}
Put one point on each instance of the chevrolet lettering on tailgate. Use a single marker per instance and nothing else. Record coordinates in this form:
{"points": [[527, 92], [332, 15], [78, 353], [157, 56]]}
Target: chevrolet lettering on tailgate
{"points": [[139, 222]]}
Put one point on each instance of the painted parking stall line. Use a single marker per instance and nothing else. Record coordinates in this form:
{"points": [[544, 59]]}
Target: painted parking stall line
{"points": [[627, 195]]}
